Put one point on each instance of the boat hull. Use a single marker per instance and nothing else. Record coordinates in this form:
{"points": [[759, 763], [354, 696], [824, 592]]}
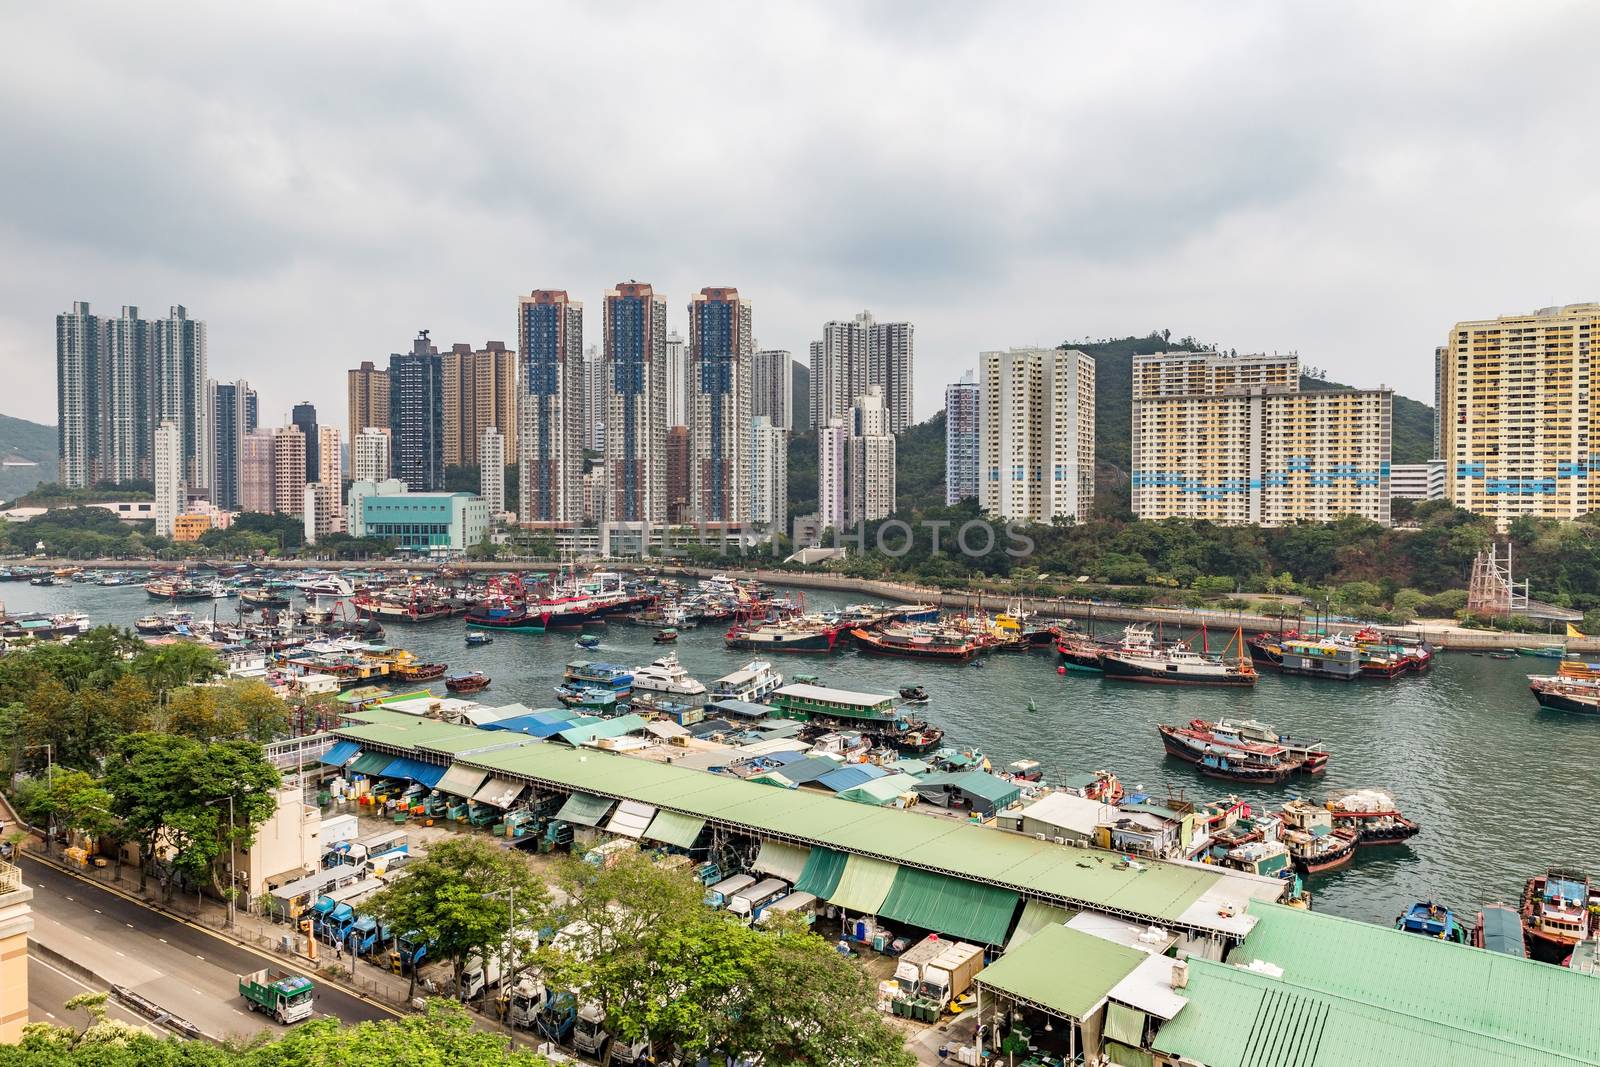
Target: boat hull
{"points": [[1224, 769], [1555, 700], [1328, 861], [818, 641], [1124, 670], [870, 642]]}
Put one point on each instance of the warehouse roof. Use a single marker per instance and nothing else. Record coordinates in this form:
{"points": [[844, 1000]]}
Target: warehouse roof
{"points": [[1062, 971], [1179, 894]]}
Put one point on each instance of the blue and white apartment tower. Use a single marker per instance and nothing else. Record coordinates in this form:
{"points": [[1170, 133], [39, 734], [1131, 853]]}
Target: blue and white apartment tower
{"points": [[720, 352], [635, 381], [550, 408]]}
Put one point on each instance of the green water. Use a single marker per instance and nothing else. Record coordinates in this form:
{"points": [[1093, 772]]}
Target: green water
{"points": [[1502, 788]]}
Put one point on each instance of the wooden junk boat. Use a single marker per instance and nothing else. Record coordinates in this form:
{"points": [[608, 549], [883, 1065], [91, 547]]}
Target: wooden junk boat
{"points": [[466, 681]]}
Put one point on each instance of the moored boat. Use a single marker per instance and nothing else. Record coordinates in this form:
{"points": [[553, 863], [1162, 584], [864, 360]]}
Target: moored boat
{"points": [[1580, 696], [477, 638], [921, 642], [752, 683], [1557, 914], [589, 698], [1139, 659], [1373, 815], [1431, 920], [794, 635], [668, 677], [873, 714], [1249, 731], [1313, 843], [1229, 758], [1499, 929], [466, 681], [603, 675], [1080, 654]]}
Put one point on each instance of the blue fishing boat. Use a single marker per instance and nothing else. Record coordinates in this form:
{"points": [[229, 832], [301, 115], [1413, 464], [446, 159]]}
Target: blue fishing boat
{"points": [[1432, 920], [589, 698], [601, 675]]}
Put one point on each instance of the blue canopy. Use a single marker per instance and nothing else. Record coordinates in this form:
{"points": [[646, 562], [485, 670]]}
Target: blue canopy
{"points": [[341, 753], [536, 726], [850, 776], [427, 774]]}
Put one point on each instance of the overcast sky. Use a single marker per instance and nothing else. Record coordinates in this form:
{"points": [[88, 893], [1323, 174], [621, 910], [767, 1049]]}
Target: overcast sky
{"points": [[318, 182]]}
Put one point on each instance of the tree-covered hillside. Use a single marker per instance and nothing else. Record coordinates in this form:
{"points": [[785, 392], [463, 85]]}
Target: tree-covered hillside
{"points": [[23, 442]]}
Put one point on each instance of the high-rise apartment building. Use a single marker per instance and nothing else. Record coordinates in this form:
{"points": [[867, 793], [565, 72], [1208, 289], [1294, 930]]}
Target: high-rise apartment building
{"points": [[233, 408], [1516, 414], [721, 344], [859, 353], [126, 397], [962, 403], [1441, 357], [180, 390], [768, 482], [416, 416], [594, 399], [772, 386], [1036, 434], [832, 438], [680, 383], [329, 469], [492, 470], [480, 392], [680, 449], [869, 460], [1417, 481], [303, 416], [800, 397], [289, 471], [1232, 439], [368, 392], [170, 491], [369, 455], [79, 357], [554, 416], [635, 322], [257, 478]]}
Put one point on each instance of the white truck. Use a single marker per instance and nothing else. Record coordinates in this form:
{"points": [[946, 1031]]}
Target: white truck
{"points": [[479, 974], [950, 974], [718, 895], [589, 1036], [527, 997], [749, 903], [803, 905], [908, 969]]}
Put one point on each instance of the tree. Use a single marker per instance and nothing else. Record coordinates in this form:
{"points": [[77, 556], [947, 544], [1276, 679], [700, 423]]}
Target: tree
{"points": [[71, 799], [460, 896], [167, 667], [695, 983], [231, 710]]}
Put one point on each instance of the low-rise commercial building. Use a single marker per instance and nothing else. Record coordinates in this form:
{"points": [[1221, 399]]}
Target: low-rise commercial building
{"points": [[431, 523], [1418, 481]]}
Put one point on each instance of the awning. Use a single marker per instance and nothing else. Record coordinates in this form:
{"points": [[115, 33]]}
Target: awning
{"points": [[1036, 915], [585, 809], [782, 860], [499, 793], [1063, 971], [630, 818], [341, 753], [863, 885], [968, 910], [1124, 1024], [673, 828], [821, 877], [427, 774], [461, 781], [371, 763]]}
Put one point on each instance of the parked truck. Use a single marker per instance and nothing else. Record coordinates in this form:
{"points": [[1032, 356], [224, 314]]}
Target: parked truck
{"points": [[949, 975], [590, 1037], [556, 1017], [750, 902], [284, 996], [480, 973], [908, 969], [527, 999]]}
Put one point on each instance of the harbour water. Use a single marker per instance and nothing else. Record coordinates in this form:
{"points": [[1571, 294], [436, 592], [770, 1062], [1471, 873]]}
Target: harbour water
{"points": [[1502, 788]]}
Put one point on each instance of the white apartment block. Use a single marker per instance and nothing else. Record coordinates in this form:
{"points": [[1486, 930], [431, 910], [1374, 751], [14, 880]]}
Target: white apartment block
{"points": [[1417, 481], [1231, 439], [831, 438], [680, 381], [1036, 434], [869, 460], [322, 510], [772, 386], [859, 353], [769, 475], [369, 455], [492, 471], [962, 403], [170, 488]]}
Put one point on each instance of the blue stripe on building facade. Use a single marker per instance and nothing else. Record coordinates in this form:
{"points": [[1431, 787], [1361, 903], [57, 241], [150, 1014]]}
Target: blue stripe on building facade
{"points": [[627, 331]]}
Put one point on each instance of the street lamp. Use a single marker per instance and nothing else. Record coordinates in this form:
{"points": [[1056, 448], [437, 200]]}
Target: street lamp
{"points": [[233, 879]]}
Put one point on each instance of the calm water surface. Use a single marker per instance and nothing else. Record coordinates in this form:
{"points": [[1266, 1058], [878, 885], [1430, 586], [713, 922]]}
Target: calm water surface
{"points": [[1502, 788]]}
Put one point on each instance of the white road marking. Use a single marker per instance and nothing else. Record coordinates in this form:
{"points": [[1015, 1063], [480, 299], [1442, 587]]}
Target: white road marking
{"points": [[162, 940], [128, 925], [97, 911]]}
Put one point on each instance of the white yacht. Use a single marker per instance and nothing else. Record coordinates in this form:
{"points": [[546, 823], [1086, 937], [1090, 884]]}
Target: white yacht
{"points": [[751, 683], [327, 585], [667, 677]]}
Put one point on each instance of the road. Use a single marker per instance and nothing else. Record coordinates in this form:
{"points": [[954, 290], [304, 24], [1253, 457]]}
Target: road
{"points": [[50, 987], [188, 971]]}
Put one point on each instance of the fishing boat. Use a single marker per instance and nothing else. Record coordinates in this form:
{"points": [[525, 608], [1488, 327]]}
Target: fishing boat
{"points": [[1313, 843], [1024, 770], [1337, 658], [914, 694], [413, 670], [1139, 659], [612, 676], [1094, 785], [1581, 696], [666, 636], [924, 641], [1556, 913], [1250, 731], [263, 598], [874, 715], [1499, 929], [1546, 652], [466, 681], [166, 623], [402, 606], [44, 579], [1373, 815], [752, 683], [792, 635], [1081, 654], [1229, 758], [589, 698], [1432, 920], [588, 641], [668, 677], [476, 638]]}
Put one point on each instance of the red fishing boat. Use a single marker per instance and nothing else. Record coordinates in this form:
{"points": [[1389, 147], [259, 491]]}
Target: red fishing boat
{"points": [[1557, 913]]}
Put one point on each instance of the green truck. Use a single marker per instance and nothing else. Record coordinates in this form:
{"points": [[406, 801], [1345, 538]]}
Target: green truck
{"points": [[284, 996]]}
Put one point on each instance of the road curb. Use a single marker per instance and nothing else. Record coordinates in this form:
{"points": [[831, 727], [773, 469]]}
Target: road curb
{"points": [[277, 961]]}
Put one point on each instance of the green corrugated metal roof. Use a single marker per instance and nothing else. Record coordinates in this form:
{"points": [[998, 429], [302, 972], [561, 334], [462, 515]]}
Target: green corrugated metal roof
{"points": [[1512, 1000], [996, 791], [953, 906], [1063, 970], [1154, 890], [485, 741], [673, 828], [863, 885], [880, 790], [1036, 915], [622, 724], [1239, 1018], [370, 763]]}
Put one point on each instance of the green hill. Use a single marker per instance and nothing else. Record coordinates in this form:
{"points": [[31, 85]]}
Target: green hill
{"points": [[21, 442], [919, 453]]}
